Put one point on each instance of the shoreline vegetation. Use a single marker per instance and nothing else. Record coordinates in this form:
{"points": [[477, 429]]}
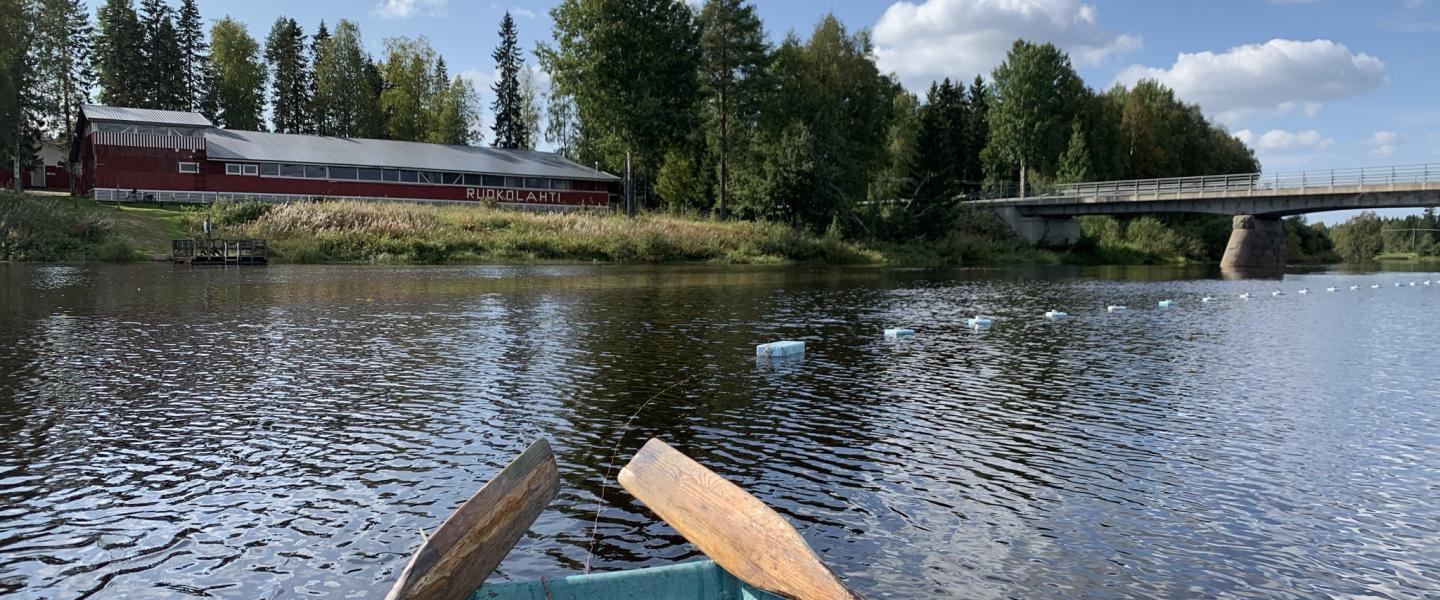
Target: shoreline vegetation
{"points": [[63, 229]]}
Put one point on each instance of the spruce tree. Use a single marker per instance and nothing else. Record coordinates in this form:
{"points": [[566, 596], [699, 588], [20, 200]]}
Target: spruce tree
{"points": [[290, 77], [164, 63], [316, 122], [346, 85], [1075, 163], [194, 57], [509, 123], [118, 60]]}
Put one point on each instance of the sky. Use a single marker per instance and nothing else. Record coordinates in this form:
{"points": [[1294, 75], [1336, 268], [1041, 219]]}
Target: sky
{"points": [[1309, 84]]}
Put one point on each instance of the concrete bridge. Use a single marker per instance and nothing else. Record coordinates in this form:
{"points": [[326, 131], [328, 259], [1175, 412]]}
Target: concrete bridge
{"points": [[1256, 201]]}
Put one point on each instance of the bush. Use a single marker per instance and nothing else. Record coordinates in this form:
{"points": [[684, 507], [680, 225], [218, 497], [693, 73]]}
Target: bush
{"points": [[46, 229], [115, 250]]}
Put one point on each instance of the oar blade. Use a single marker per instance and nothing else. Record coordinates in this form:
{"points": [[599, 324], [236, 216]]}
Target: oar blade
{"points": [[457, 557], [732, 527]]}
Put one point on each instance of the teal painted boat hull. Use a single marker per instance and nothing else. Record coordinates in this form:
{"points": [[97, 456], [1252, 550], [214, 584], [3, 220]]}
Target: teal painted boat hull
{"points": [[701, 580]]}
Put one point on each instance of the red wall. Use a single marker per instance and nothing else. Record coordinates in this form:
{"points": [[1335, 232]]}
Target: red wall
{"points": [[127, 168]]}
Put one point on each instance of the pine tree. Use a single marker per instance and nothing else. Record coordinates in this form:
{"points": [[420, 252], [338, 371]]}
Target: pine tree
{"points": [[18, 107], [63, 57], [509, 126], [316, 123], [239, 86], [194, 55], [733, 55], [290, 77], [164, 62], [562, 127], [117, 55]]}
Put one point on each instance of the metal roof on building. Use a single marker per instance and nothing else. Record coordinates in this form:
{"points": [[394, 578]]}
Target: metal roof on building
{"points": [[229, 144], [148, 116]]}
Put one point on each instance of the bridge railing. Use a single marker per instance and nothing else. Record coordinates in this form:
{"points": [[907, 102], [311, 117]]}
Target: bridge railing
{"points": [[1231, 184]]}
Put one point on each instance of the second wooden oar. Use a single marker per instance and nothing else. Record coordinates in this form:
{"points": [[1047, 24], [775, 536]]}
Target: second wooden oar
{"points": [[457, 558], [732, 527]]}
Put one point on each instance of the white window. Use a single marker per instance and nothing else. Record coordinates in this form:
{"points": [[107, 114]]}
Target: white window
{"points": [[189, 167], [239, 169]]}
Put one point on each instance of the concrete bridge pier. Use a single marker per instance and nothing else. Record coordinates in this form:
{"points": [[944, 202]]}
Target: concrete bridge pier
{"points": [[1257, 242], [1044, 231]]}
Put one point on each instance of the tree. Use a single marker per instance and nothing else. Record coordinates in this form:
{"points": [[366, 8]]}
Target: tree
{"points": [[1075, 164], [164, 62], [733, 55], [194, 55], [409, 97], [346, 87], [530, 101], [239, 87], [63, 56], [508, 106], [1361, 238], [117, 57], [562, 127], [19, 108], [290, 77], [631, 67], [316, 120], [457, 113], [1036, 91]]}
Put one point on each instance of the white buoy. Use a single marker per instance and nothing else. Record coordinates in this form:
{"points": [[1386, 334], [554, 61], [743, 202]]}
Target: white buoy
{"points": [[1245, 296], [1055, 315], [898, 332], [1427, 282], [1165, 303], [1374, 286], [1304, 290], [1207, 299], [1277, 293], [1117, 308], [1398, 284], [1332, 289], [1412, 284], [978, 322], [1354, 287], [777, 349]]}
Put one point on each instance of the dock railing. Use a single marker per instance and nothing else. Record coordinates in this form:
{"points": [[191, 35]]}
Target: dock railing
{"points": [[218, 251], [1239, 184]]}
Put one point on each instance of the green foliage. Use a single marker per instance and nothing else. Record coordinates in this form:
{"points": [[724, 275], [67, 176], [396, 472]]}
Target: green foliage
{"points": [[1036, 95], [733, 55], [1150, 239], [631, 67], [679, 181], [1075, 164], [63, 41], [782, 186], [238, 93], [164, 62], [1308, 243], [510, 127], [194, 56], [290, 81], [47, 229], [345, 102], [1360, 238], [118, 59]]}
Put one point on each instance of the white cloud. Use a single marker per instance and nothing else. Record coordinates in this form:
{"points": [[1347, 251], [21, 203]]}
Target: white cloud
{"points": [[404, 9], [1279, 76], [962, 38], [1383, 143], [523, 12], [1279, 140]]}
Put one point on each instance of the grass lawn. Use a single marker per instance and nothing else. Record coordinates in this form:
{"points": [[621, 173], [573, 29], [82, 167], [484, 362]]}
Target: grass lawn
{"points": [[149, 227]]}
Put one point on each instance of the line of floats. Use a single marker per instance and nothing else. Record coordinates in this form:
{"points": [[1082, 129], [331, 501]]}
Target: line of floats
{"points": [[793, 348]]}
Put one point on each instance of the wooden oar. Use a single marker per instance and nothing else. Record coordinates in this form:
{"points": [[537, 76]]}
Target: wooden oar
{"points": [[456, 559], [732, 527]]}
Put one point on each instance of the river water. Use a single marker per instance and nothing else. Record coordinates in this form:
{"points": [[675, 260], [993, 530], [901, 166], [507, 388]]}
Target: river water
{"points": [[284, 432]]}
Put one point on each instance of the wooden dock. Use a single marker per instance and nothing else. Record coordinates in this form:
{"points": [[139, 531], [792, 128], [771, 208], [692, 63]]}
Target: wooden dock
{"points": [[219, 252]]}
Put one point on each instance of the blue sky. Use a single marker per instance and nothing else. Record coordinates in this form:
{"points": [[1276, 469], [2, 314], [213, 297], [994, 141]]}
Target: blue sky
{"points": [[1310, 84]]}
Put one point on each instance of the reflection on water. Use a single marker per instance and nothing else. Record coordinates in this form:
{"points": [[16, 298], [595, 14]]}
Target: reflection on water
{"points": [[284, 432]]}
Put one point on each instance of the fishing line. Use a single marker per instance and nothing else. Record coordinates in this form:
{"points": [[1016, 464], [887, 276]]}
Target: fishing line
{"points": [[615, 452]]}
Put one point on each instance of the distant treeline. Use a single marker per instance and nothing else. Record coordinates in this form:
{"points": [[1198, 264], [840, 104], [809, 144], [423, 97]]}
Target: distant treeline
{"points": [[714, 118]]}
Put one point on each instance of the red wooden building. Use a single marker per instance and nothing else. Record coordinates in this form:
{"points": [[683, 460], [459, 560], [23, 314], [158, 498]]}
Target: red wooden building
{"points": [[130, 154]]}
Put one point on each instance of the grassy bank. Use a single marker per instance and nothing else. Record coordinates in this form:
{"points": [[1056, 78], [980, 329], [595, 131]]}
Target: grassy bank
{"points": [[61, 229]]}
